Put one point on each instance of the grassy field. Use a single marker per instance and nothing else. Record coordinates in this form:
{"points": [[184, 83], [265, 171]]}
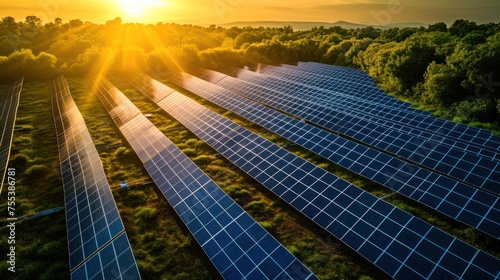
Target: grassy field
{"points": [[162, 245]]}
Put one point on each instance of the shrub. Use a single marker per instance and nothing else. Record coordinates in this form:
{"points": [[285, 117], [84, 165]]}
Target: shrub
{"points": [[190, 152], [37, 172], [267, 226], [50, 248], [256, 206], [146, 215], [203, 159], [483, 110], [191, 142], [235, 191], [295, 251], [121, 152], [19, 162], [119, 176]]}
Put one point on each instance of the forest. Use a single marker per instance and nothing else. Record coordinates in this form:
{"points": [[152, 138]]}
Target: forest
{"points": [[452, 70]]}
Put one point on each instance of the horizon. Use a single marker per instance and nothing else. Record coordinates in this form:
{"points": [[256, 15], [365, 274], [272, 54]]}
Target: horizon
{"points": [[223, 12]]}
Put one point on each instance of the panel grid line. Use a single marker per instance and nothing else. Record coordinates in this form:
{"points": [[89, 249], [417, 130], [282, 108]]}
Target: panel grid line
{"points": [[93, 222], [390, 172], [213, 218], [333, 197]]}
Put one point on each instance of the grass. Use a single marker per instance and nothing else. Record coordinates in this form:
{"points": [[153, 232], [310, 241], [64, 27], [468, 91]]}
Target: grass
{"points": [[41, 246], [448, 115]]}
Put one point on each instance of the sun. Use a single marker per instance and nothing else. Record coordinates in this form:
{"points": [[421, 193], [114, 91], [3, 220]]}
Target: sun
{"points": [[137, 8]]}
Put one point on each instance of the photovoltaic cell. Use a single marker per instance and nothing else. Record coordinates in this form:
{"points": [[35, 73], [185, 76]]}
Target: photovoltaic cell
{"points": [[352, 76], [341, 95], [487, 138], [236, 244], [114, 261], [377, 230], [8, 112], [92, 218], [349, 77], [464, 167], [454, 198]]}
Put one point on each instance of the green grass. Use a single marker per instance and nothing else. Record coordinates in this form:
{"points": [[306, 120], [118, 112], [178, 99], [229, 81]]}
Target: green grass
{"points": [[41, 246]]}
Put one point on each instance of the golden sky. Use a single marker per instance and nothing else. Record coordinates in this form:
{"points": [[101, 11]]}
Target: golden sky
{"points": [[224, 11]]}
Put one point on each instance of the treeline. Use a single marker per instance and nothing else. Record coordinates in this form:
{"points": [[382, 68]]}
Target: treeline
{"points": [[455, 69]]}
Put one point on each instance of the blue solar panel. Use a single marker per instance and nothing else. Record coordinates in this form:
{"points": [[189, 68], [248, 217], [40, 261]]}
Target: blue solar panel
{"points": [[351, 76], [332, 203], [343, 96], [465, 167], [454, 198], [114, 261], [236, 244], [343, 78], [463, 132], [92, 218], [8, 112]]}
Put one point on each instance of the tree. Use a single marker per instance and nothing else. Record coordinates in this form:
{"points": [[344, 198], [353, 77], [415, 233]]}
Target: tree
{"points": [[442, 85], [409, 63], [462, 27], [440, 26], [9, 27], [75, 23], [33, 21]]}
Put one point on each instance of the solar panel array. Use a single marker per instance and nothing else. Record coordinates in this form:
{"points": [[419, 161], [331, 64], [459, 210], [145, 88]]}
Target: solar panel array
{"points": [[349, 75], [465, 133], [467, 204], [356, 84], [236, 244], [8, 112], [465, 167], [97, 243], [340, 95], [400, 244]]}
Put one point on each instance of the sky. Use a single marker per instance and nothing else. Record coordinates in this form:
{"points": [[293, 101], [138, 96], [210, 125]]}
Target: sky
{"points": [[381, 12]]}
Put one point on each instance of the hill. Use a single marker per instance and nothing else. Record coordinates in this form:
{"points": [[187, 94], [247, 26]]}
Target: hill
{"points": [[304, 25]]}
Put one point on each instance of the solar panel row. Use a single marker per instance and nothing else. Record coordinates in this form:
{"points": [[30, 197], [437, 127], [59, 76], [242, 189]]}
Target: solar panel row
{"points": [[403, 246], [467, 204], [347, 87], [342, 74], [440, 125], [342, 96], [464, 167], [8, 112], [92, 218], [114, 260], [236, 244], [345, 73]]}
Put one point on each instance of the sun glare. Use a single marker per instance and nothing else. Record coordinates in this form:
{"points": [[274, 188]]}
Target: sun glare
{"points": [[138, 8]]}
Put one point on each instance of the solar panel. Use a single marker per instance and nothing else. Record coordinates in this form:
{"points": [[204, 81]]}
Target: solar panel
{"points": [[464, 167], [340, 95], [113, 261], [8, 112], [236, 244], [400, 244], [350, 76], [92, 218], [459, 201], [327, 73]]}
